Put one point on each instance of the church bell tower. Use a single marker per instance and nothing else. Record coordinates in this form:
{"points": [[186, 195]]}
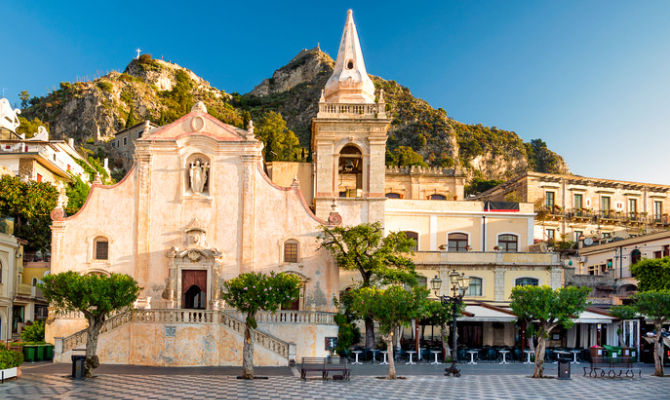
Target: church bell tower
{"points": [[349, 138]]}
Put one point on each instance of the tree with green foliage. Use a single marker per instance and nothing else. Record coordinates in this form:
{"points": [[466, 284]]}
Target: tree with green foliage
{"points": [[252, 292], [131, 120], [25, 98], [479, 185], [540, 158], [33, 332], [392, 308], [281, 144], [29, 127], [623, 313], [95, 296], [77, 193], [551, 309], [404, 156], [30, 204], [654, 305], [652, 273], [379, 259], [438, 314], [348, 333]]}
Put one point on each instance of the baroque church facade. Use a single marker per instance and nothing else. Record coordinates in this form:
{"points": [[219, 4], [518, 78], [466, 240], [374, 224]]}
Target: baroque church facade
{"points": [[198, 208]]}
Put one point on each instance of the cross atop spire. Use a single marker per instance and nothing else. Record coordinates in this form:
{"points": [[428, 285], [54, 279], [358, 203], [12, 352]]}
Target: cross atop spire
{"points": [[350, 82]]}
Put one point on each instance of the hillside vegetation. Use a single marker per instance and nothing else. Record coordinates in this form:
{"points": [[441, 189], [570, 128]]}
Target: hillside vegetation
{"points": [[162, 92]]}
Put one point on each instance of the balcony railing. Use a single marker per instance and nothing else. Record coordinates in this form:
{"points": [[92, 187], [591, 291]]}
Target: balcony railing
{"points": [[605, 215], [338, 110]]}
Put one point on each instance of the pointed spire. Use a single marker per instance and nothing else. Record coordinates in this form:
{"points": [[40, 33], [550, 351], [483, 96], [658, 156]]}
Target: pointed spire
{"points": [[350, 82]]}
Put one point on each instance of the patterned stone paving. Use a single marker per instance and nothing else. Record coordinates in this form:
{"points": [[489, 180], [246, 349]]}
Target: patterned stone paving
{"points": [[474, 386]]}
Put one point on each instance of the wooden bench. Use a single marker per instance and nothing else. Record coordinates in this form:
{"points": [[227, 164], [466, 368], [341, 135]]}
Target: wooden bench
{"points": [[321, 365], [605, 367]]}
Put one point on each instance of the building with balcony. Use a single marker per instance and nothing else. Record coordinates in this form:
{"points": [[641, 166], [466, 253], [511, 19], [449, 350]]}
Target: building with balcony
{"points": [[570, 207], [40, 159]]}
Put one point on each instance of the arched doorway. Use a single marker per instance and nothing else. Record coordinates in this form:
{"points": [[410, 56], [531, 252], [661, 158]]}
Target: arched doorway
{"points": [[194, 289], [194, 298]]}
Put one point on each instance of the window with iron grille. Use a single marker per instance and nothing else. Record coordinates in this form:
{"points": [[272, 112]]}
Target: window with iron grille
{"points": [[101, 249], [291, 251], [527, 282]]}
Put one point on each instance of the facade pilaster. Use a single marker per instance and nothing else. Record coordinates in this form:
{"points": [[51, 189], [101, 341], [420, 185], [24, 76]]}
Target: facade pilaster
{"points": [[248, 209], [499, 284]]}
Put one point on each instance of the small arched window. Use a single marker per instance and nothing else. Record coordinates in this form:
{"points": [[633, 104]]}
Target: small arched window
{"points": [[393, 196], [291, 251], [415, 237], [34, 282], [635, 256], [526, 282], [436, 197], [475, 288], [457, 242], [508, 243], [101, 248]]}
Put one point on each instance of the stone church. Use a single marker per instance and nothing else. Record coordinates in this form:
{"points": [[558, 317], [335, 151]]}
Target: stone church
{"points": [[198, 208]]}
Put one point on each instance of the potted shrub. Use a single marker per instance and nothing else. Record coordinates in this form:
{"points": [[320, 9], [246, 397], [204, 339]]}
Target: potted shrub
{"points": [[34, 347], [9, 363]]}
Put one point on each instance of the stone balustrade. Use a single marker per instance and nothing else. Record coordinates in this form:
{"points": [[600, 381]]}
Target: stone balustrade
{"points": [[341, 110], [290, 317], [231, 319]]}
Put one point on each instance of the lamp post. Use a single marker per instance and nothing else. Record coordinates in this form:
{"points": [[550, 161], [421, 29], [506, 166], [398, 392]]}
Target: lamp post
{"points": [[459, 283]]}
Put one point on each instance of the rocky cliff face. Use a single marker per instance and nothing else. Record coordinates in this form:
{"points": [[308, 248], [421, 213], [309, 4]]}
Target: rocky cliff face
{"points": [[162, 92], [147, 89], [294, 91]]}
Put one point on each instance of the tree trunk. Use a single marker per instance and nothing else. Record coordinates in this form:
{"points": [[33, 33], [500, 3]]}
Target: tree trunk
{"points": [[248, 352], [92, 332], [388, 338], [369, 333], [446, 350], [658, 352], [539, 355]]}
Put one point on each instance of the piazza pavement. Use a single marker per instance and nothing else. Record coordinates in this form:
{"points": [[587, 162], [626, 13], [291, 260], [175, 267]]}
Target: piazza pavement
{"points": [[422, 381]]}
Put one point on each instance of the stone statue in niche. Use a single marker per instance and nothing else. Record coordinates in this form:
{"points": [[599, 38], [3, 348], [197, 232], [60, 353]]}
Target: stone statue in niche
{"points": [[198, 175]]}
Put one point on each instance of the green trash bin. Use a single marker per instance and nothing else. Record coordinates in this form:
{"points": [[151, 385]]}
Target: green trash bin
{"points": [[29, 352], [49, 352], [39, 353]]}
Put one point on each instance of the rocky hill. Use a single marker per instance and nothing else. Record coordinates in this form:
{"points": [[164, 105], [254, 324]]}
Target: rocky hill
{"points": [[294, 91], [162, 92], [148, 89]]}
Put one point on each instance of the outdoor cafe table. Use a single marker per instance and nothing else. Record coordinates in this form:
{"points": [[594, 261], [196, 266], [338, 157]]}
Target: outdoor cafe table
{"points": [[411, 353], [528, 352], [504, 354], [574, 358], [472, 356], [357, 352], [374, 355]]}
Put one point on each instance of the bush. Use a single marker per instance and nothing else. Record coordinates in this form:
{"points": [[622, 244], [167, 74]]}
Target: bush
{"points": [[105, 86], [34, 332], [10, 358]]}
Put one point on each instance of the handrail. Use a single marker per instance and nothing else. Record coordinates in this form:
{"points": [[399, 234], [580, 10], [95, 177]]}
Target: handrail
{"points": [[77, 338], [228, 318], [290, 317]]}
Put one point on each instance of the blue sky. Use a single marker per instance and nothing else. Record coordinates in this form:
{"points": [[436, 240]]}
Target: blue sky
{"points": [[591, 78]]}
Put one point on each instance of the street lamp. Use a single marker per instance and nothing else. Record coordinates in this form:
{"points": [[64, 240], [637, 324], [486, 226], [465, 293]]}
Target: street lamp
{"points": [[459, 283]]}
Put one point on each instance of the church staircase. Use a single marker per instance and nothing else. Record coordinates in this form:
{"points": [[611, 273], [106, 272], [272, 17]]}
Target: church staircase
{"points": [[230, 319]]}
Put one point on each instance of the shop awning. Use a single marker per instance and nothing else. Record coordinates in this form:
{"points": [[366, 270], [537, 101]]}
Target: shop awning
{"points": [[590, 317], [482, 313]]}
